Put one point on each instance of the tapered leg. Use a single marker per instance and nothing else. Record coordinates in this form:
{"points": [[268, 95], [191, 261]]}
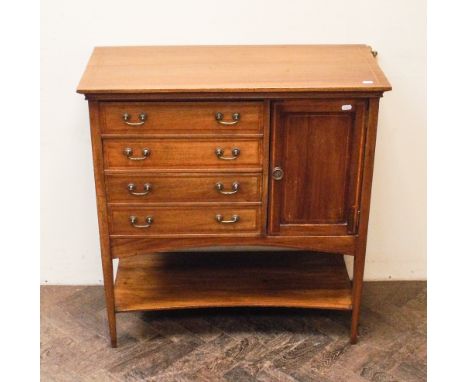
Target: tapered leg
{"points": [[361, 241], [358, 275], [107, 269], [106, 256]]}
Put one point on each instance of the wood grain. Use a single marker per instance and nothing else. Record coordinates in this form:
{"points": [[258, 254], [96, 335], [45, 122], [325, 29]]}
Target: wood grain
{"points": [[361, 242], [230, 96], [180, 220], [181, 280], [184, 188], [183, 153], [131, 246], [317, 144], [155, 69], [182, 117], [101, 200], [323, 103]]}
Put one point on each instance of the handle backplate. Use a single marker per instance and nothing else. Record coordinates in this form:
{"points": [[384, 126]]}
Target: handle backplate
{"points": [[277, 173]]}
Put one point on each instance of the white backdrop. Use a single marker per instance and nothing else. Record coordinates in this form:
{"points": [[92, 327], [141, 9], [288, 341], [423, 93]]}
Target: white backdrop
{"points": [[70, 29]]}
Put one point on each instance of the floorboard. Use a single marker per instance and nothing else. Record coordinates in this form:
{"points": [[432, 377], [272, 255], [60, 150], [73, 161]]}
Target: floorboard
{"points": [[235, 344]]}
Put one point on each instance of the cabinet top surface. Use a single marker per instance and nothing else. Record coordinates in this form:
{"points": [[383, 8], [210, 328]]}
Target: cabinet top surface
{"points": [[268, 68]]}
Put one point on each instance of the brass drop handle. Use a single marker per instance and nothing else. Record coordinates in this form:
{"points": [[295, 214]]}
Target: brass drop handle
{"points": [[132, 187], [142, 117], [128, 152], [220, 153], [134, 219], [220, 116], [234, 187], [234, 219], [277, 173]]}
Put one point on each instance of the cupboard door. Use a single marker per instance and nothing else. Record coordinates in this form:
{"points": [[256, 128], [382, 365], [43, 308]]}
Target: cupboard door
{"points": [[315, 167]]}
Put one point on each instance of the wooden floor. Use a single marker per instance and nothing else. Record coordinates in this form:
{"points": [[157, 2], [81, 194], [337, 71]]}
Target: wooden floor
{"points": [[235, 344]]}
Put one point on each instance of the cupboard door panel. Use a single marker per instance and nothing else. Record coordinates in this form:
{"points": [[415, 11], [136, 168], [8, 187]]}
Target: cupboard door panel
{"points": [[318, 146]]}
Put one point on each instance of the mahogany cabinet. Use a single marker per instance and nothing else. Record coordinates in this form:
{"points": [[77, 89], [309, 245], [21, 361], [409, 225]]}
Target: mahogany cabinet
{"points": [[233, 147]]}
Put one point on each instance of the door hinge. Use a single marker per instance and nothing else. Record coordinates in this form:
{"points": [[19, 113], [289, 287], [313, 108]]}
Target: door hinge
{"points": [[353, 221]]}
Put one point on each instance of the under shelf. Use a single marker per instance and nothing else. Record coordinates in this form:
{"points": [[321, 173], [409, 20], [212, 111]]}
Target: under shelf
{"points": [[232, 279]]}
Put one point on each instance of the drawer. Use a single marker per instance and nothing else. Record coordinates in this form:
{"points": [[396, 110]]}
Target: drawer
{"points": [[182, 117], [183, 188], [154, 221], [182, 153]]}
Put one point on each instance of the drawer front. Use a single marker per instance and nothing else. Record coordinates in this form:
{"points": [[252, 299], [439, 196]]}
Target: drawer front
{"points": [[154, 221], [183, 188], [182, 154], [182, 117]]}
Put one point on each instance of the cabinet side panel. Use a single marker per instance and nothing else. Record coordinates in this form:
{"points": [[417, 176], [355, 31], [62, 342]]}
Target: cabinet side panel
{"points": [[368, 170]]}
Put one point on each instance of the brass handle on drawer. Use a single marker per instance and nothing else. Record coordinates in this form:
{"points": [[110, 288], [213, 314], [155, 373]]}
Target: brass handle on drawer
{"points": [[277, 173], [142, 117], [234, 219], [132, 187], [220, 152], [133, 221], [128, 152], [220, 187], [220, 116]]}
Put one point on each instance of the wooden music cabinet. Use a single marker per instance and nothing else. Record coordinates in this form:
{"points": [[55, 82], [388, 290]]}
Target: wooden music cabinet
{"points": [[228, 146]]}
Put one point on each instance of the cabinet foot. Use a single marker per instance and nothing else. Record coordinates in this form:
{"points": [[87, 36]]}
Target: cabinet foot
{"points": [[358, 276], [112, 327], [113, 342], [353, 339]]}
